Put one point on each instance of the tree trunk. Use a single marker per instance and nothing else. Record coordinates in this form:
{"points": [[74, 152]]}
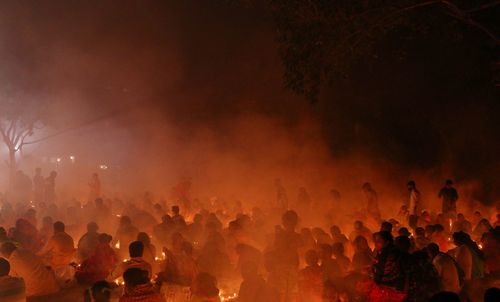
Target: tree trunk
{"points": [[12, 167]]}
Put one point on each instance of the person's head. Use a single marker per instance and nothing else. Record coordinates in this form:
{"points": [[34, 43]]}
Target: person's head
{"points": [[312, 257], [402, 243], [58, 227], [386, 226], [92, 227], [438, 228], [460, 238], [95, 175], [249, 270], [125, 221], [360, 244], [485, 223], [326, 251], [448, 183], [367, 186], [7, 248], [144, 238], [432, 250], [136, 249], [175, 210], [4, 267], [101, 291], [104, 238], [382, 239], [358, 225], [135, 276], [335, 230], [338, 249], [290, 220], [411, 185], [445, 297], [460, 217], [420, 232], [404, 232]]}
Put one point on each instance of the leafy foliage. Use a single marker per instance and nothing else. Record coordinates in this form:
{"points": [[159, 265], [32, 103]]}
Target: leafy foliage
{"points": [[319, 39]]}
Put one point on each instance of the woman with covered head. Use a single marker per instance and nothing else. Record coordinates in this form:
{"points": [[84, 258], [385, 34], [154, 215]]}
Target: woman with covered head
{"points": [[468, 256], [99, 264]]}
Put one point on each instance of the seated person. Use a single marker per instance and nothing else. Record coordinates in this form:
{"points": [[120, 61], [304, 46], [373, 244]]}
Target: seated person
{"points": [[100, 263], [39, 279], [311, 279], [88, 241], [138, 287], [59, 250], [204, 289], [136, 250], [12, 289]]}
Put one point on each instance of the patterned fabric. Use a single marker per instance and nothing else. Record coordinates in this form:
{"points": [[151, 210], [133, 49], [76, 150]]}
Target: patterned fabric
{"points": [[387, 269], [98, 265], [141, 293]]}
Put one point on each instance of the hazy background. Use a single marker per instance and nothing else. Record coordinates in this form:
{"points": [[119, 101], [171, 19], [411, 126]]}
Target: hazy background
{"points": [[167, 90]]}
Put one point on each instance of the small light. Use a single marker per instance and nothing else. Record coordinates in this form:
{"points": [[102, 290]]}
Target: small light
{"points": [[58, 159], [72, 158], [103, 167]]}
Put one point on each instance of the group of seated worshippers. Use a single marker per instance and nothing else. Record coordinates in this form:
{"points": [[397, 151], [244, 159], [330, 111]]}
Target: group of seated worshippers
{"points": [[224, 254]]}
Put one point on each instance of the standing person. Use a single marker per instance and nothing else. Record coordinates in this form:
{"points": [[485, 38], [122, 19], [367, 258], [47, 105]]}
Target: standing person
{"points": [[413, 203], [39, 280], [94, 187], [286, 246], [449, 197], [50, 188], [38, 186], [371, 202], [281, 197]]}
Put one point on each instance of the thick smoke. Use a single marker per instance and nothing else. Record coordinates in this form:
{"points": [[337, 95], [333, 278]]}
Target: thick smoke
{"points": [[160, 92]]}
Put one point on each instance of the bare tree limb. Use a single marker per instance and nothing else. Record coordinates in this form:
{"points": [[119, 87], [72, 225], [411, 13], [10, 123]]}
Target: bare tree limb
{"points": [[483, 7]]}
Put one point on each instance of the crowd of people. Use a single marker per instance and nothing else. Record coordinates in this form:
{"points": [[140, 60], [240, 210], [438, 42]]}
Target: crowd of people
{"points": [[184, 249]]}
